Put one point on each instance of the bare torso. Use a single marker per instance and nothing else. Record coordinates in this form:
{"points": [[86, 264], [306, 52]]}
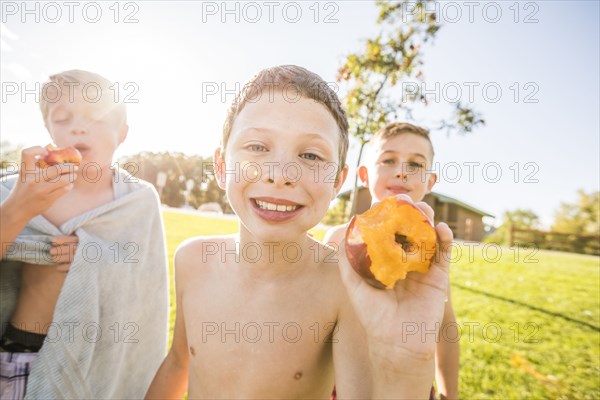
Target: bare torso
{"points": [[41, 284], [260, 336]]}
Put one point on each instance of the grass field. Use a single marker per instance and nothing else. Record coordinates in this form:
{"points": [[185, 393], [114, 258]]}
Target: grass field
{"points": [[529, 321]]}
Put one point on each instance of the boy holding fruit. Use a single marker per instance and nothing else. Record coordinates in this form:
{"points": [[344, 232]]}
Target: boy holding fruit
{"points": [[399, 158], [272, 311], [78, 334]]}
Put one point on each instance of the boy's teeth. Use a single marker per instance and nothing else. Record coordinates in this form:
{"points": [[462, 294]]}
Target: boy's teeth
{"points": [[274, 207]]}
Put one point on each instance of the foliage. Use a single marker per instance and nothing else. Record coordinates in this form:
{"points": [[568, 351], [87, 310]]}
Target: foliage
{"points": [[336, 214], [580, 217], [388, 61], [9, 153], [181, 170], [519, 218]]}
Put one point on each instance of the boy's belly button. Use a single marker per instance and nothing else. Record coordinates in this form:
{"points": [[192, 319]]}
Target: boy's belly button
{"points": [[298, 375]]}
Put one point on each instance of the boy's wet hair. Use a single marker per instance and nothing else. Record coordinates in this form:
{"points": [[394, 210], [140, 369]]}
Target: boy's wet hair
{"points": [[77, 81], [400, 128], [299, 82]]}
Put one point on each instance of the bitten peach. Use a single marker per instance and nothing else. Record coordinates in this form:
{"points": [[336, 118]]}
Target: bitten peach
{"points": [[389, 240], [60, 156]]}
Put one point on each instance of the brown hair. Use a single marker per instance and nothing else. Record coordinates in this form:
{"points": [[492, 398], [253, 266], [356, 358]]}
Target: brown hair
{"points": [[400, 128], [306, 83], [80, 79]]}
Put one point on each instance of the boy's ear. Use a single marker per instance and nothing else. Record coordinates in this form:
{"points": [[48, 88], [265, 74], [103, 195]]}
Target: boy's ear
{"points": [[363, 175], [219, 168], [431, 180], [123, 134], [339, 182]]}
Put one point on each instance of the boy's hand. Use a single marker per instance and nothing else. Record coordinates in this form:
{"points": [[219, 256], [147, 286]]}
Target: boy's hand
{"points": [[63, 251], [402, 324], [37, 189]]}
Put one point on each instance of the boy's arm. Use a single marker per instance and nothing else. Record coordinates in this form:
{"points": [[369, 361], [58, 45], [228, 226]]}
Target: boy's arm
{"points": [[402, 358], [447, 355], [33, 193], [171, 380], [350, 356]]}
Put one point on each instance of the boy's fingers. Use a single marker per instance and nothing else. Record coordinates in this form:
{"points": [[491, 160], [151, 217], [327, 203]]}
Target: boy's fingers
{"points": [[404, 197], [63, 183], [445, 237], [28, 157], [444, 233], [426, 209], [58, 192], [60, 240], [52, 172], [63, 252]]}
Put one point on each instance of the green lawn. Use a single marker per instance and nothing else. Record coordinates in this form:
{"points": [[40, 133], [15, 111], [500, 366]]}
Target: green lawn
{"points": [[529, 322]]}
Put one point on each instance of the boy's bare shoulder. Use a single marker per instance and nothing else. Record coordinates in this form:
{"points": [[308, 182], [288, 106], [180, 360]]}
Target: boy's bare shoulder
{"points": [[335, 234], [202, 248], [327, 258]]}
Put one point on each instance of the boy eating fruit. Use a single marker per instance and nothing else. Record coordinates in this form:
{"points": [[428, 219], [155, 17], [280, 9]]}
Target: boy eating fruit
{"points": [[267, 313], [99, 331], [397, 163]]}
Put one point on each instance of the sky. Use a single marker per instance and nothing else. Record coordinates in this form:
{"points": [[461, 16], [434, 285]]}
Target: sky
{"points": [[530, 68]]}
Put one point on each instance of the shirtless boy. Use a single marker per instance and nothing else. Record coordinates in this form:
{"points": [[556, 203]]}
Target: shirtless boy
{"points": [[267, 313]]}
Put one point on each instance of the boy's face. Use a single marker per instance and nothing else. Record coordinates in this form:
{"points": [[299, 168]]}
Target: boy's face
{"points": [[399, 165], [86, 126], [280, 166]]}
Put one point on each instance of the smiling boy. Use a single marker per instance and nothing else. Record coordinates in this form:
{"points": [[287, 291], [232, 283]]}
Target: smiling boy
{"points": [[265, 314], [398, 161]]}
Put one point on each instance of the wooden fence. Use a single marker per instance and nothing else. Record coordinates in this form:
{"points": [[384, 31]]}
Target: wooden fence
{"points": [[570, 242]]}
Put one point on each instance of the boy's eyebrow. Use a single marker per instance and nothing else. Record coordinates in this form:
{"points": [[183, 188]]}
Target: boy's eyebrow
{"points": [[309, 135], [411, 154]]}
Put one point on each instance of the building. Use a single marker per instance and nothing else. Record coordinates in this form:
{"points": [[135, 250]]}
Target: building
{"points": [[465, 220]]}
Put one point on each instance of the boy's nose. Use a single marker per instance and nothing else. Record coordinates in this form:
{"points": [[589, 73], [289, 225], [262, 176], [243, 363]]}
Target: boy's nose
{"points": [[278, 173], [79, 130], [401, 174]]}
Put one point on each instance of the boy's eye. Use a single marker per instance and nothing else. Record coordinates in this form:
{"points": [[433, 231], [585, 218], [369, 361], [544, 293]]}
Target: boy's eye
{"points": [[388, 161], [257, 147], [415, 164], [310, 157], [60, 117]]}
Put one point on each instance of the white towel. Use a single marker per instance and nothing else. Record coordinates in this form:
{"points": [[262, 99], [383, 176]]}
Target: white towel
{"points": [[109, 330]]}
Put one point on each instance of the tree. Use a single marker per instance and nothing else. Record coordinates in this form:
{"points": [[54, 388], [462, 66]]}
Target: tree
{"points": [[580, 217], [519, 218], [9, 153], [336, 215], [393, 57], [179, 169]]}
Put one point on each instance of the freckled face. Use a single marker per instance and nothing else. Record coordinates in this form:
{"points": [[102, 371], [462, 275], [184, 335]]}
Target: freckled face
{"points": [[400, 165], [280, 166]]}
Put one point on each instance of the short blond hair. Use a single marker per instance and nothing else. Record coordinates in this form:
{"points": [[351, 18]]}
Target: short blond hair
{"points": [[306, 83], [401, 128], [80, 79]]}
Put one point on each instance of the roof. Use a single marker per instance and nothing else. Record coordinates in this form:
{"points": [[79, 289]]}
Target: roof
{"points": [[447, 199], [442, 198]]}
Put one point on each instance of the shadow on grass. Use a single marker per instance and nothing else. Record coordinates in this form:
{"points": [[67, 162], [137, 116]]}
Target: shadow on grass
{"points": [[519, 303]]}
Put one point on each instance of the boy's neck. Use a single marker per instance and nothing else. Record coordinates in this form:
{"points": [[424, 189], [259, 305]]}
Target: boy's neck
{"points": [[94, 180], [271, 257]]}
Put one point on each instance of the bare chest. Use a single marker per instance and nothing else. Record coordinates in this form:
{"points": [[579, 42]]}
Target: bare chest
{"points": [[280, 339], [74, 204]]}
